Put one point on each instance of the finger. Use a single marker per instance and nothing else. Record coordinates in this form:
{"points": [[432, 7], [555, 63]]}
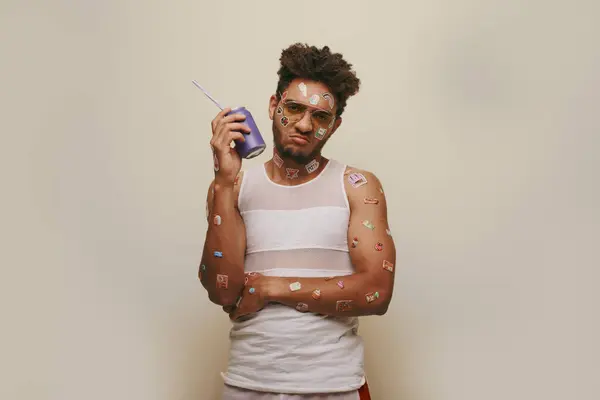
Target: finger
{"points": [[223, 144], [229, 119], [218, 118], [222, 139], [237, 127]]}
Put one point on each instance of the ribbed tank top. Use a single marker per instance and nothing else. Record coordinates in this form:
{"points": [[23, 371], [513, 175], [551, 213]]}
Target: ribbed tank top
{"points": [[296, 231]]}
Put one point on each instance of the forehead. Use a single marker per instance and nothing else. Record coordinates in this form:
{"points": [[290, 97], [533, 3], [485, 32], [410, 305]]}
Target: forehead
{"points": [[295, 93]]}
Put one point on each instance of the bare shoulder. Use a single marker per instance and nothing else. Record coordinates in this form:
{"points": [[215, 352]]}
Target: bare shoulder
{"points": [[361, 184]]}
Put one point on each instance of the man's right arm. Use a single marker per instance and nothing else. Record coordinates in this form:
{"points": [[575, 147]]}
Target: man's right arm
{"points": [[222, 267]]}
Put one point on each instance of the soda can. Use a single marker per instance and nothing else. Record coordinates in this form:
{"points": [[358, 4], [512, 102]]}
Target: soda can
{"points": [[254, 144]]}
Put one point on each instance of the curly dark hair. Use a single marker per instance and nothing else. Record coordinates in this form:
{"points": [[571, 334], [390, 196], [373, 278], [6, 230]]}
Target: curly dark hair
{"points": [[309, 62]]}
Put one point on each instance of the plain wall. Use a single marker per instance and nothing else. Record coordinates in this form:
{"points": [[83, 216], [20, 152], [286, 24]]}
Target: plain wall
{"points": [[480, 118]]}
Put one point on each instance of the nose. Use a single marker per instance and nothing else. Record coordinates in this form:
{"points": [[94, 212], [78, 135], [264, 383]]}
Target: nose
{"points": [[305, 124]]}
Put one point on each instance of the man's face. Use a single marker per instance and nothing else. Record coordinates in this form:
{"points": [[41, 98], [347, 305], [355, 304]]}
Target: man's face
{"points": [[303, 119]]}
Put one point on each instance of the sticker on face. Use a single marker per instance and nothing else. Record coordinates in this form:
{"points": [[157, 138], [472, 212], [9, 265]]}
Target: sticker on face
{"points": [[378, 246], [320, 133], [371, 297], [277, 160], [222, 281], [388, 266], [357, 179], [316, 294], [314, 99], [343, 305], [295, 286], [217, 220], [291, 173], [371, 200], [368, 224], [329, 98], [312, 166], [302, 88], [284, 121], [302, 307], [279, 110]]}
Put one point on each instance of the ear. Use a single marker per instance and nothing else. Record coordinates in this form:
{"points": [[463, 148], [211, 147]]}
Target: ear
{"points": [[273, 101]]}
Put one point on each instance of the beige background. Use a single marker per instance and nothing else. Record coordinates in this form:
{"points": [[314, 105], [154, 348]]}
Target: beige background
{"points": [[480, 117]]}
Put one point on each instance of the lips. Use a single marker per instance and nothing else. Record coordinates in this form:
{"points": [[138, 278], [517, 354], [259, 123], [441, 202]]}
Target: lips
{"points": [[299, 139]]}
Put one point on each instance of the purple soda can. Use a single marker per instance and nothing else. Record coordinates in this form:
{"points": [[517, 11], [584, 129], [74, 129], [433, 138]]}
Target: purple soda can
{"points": [[254, 144]]}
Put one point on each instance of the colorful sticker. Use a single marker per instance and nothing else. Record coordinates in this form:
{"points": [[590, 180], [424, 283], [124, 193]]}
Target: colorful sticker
{"points": [[340, 284], [285, 121], [368, 224], [302, 307], [320, 133], [218, 254], [222, 281], [357, 179], [389, 233], [215, 162], [354, 242], [251, 290], [378, 246], [291, 173], [302, 88], [329, 98], [279, 110], [312, 166], [277, 160], [388, 266], [314, 99], [217, 220], [295, 286], [316, 294], [343, 305], [371, 297]]}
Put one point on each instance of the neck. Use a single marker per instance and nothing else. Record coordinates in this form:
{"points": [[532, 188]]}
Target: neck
{"points": [[286, 171]]}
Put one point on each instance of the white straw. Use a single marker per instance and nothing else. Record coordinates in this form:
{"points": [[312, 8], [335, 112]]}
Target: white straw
{"points": [[207, 95]]}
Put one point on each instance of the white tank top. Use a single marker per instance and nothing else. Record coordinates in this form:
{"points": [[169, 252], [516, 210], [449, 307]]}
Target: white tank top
{"points": [[296, 231]]}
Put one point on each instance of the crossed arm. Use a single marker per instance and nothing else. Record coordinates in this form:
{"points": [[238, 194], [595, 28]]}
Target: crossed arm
{"points": [[368, 291]]}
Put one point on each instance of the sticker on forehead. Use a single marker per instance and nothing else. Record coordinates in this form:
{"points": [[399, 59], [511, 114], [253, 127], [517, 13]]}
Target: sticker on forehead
{"points": [[277, 160], [312, 166], [314, 99], [320, 133], [291, 173], [329, 98], [302, 88], [285, 121], [357, 179], [279, 110]]}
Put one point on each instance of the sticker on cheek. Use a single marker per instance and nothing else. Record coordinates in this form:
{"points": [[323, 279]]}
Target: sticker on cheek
{"points": [[371, 297], [316, 294], [279, 110], [371, 200], [329, 98], [320, 133], [343, 305], [357, 179], [217, 219], [388, 266], [354, 242], [291, 173], [285, 121], [302, 88], [379, 246], [368, 224], [277, 160], [222, 281], [312, 166], [295, 286], [302, 307], [314, 99]]}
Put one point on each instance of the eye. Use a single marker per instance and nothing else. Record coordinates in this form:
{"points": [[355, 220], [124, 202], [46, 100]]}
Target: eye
{"points": [[322, 117], [293, 107]]}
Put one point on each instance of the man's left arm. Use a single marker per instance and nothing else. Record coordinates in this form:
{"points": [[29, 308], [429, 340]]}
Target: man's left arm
{"points": [[368, 291]]}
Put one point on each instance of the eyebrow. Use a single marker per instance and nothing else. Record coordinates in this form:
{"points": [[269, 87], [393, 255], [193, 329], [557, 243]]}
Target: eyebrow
{"points": [[308, 105]]}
